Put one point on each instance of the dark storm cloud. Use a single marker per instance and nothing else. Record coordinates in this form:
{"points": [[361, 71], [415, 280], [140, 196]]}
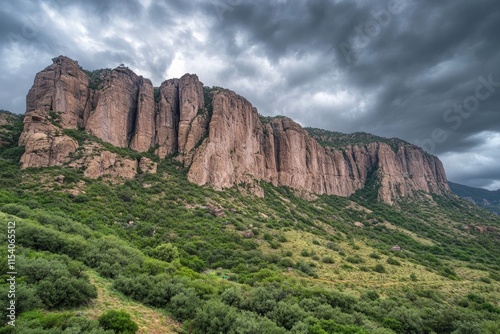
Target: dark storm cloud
{"points": [[393, 68]]}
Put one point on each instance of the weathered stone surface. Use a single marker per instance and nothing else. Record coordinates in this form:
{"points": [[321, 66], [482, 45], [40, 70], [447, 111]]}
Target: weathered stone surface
{"points": [[61, 87], [44, 150], [144, 128], [191, 104], [113, 118], [240, 149], [225, 147], [147, 165], [167, 119], [110, 164]]}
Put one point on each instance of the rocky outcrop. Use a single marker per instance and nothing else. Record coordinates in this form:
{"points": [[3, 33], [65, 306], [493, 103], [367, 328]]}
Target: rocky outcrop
{"points": [[215, 132], [47, 149], [116, 104], [240, 149], [167, 119], [191, 109]]}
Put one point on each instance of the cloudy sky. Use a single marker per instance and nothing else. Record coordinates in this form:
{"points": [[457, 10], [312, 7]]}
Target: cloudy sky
{"points": [[422, 70]]}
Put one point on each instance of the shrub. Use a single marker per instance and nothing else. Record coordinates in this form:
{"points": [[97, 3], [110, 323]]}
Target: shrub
{"points": [[370, 295], [355, 259], [327, 259], [232, 296], [485, 280], [287, 315], [379, 268], [57, 284], [393, 261], [215, 317], [17, 210], [305, 253], [118, 321], [165, 252], [375, 256], [332, 246], [184, 304], [305, 268]]}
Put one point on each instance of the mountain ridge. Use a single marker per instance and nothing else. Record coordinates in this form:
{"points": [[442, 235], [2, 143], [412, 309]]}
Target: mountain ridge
{"points": [[488, 199], [215, 132]]}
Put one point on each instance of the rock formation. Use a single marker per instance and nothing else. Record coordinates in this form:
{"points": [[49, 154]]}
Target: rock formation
{"points": [[215, 132]]}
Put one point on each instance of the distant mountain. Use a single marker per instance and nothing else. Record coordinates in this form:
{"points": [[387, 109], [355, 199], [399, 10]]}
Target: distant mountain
{"points": [[490, 200]]}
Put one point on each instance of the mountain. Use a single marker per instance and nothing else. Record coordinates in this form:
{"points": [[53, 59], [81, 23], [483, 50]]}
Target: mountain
{"points": [[213, 131], [490, 200]]}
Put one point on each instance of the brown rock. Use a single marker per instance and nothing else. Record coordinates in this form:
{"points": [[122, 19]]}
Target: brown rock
{"points": [[240, 149], [215, 211], [191, 104], [44, 150], [231, 146], [144, 128], [147, 165], [110, 164], [248, 234], [167, 119], [113, 118], [61, 87]]}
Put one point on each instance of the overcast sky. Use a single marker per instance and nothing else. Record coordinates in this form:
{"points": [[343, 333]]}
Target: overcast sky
{"points": [[425, 71]]}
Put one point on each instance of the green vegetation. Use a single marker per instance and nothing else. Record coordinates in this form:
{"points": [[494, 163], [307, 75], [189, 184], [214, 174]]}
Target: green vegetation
{"points": [[87, 248], [338, 140], [97, 77], [490, 200], [157, 94], [118, 321], [269, 119]]}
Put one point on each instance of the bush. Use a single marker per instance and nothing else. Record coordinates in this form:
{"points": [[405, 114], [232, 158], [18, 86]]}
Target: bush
{"points": [[20, 211], [332, 246], [370, 295], [486, 280], [118, 321], [355, 259], [327, 259], [57, 284], [214, 318], [379, 268], [305, 253], [393, 261], [287, 315], [165, 252], [184, 304]]}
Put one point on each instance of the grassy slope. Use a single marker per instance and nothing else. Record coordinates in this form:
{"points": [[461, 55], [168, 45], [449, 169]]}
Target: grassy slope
{"points": [[150, 320]]}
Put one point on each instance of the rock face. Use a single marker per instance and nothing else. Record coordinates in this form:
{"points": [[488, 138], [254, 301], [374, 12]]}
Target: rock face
{"points": [[240, 149], [215, 132]]}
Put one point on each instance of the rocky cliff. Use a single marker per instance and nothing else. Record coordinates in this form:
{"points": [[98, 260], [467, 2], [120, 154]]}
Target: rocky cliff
{"points": [[215, 132]]}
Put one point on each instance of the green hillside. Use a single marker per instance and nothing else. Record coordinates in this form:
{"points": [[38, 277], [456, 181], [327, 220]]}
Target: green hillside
{"points": [[340, 140], [182, 258], [490, 200]]}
